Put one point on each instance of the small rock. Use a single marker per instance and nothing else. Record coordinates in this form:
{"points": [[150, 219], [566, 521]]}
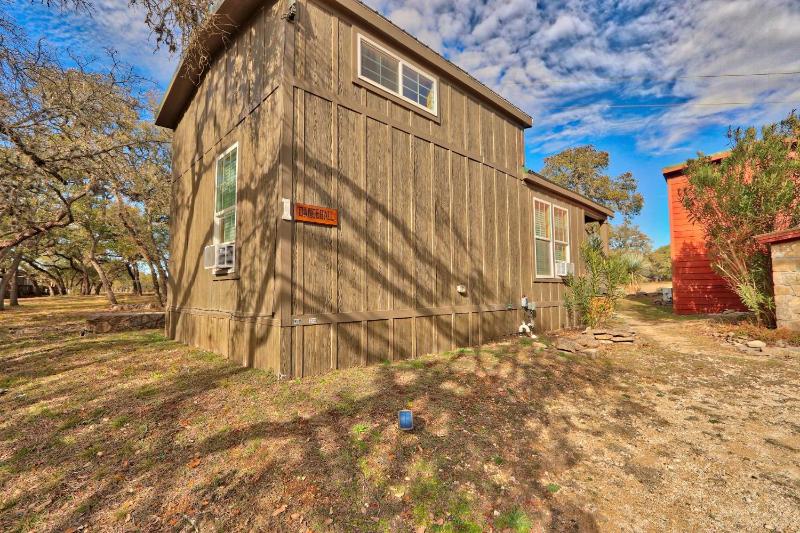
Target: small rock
{"points": [[603, 336], [588, 341], [591, 352], [565, 345], [623, 339], [756, 344], [539, 346]]}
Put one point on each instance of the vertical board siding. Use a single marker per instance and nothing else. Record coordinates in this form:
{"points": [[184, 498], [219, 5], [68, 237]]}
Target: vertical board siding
{"points": [[490, 270], [477, 280], [442, 231], [697, 288], [351, 274], [378, 171], [422, 224], [424, 205], [400, 232], [460, 215], [315, 186]]}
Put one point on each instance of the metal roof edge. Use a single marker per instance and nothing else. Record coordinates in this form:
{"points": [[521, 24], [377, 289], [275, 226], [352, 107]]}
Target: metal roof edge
{"points": [[538, 179], [181, 88]]}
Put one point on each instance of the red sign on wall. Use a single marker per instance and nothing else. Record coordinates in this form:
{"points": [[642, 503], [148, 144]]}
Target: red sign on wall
{"points": [[316, 214]]}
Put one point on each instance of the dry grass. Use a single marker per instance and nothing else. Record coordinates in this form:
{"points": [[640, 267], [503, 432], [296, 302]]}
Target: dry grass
{"points": [[751, 330], [133, 432]]}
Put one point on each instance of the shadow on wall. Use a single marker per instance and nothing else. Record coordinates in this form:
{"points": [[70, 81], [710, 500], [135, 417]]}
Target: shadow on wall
{"points": [[696, 287], [406, 237]]}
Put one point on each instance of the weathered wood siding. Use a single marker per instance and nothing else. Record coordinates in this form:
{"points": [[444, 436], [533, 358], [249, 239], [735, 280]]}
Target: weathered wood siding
{"points": [[237, 102], [425, 205]]}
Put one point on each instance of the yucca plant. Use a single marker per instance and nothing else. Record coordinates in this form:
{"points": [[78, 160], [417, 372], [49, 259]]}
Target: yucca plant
{"points": [[592, 298]]}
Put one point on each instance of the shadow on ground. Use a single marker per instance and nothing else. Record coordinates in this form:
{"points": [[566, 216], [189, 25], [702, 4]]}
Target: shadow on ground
{"points": [[132, 432]]}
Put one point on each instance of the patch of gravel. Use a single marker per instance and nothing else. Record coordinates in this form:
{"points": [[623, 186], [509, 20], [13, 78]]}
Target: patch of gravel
{"points": [[706, 440]]}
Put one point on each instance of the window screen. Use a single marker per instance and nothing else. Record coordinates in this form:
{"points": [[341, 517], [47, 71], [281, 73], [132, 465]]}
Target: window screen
{"points": [[544, 262], [418, 87], [379, 66], [542, 212], [390, 72], [225, 210], [561, 234], [543, 233]]}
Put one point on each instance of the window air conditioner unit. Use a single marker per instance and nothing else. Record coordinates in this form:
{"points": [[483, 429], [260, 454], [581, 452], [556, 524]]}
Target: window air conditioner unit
{"points": [[564, 269], [219, 256]]}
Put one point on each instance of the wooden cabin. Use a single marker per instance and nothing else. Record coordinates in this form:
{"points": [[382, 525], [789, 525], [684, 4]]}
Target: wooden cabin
{"points": [[343, 195], [696, 287]]}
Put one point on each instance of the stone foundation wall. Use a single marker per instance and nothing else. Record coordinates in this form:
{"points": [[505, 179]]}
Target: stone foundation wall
{"points": [[786, 276]]}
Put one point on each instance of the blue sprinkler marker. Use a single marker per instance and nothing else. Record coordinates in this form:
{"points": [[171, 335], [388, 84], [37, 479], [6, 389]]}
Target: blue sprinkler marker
{"points": [[405, 419]]}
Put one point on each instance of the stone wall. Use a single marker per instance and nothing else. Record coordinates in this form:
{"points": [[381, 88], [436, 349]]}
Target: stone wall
{"points": [[112, 322], [786, 276]]}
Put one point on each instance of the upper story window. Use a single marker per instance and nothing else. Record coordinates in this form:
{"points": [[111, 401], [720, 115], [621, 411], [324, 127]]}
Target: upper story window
{"points": [[225, 205], [379, 66]]}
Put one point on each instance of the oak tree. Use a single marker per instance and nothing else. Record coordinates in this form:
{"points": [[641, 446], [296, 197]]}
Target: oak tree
{"points": [[584, 170]]}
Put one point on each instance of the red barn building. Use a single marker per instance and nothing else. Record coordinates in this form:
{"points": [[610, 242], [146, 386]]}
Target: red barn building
{"points": [[696, 288]]}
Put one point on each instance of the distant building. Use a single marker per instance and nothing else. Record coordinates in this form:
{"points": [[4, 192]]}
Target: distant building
{"points": [[26, 288], [697, 289]]}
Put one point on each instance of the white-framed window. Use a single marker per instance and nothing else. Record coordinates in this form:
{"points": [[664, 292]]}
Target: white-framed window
{"points": [[380, 67], [225, 196], [543, 237], [561, 251]]}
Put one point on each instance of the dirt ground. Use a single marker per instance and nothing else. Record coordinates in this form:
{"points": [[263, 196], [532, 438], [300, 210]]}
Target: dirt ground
{"points": [[130, 432]]}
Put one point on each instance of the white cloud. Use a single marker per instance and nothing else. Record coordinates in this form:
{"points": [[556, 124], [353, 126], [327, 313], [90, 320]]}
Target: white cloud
{"points": [[110, 24], [547, 55]]}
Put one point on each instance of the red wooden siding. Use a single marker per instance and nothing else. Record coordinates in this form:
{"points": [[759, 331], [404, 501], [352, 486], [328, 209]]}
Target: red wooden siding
{"points": [[696, 287]]}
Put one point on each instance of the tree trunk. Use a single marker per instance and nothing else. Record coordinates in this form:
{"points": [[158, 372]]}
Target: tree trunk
{"points": [[156, 285], [37, 291], [86, 285], [13, 292], [133, 272], [11, 272], [160, 284], [56, 284], [105, 283], [163, 282]]}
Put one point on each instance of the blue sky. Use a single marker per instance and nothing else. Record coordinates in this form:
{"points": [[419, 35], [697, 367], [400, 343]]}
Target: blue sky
{"points": [[567, 63]]}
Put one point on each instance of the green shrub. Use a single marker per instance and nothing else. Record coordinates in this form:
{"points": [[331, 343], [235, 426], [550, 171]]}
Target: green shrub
{"points": [[592, 297]]}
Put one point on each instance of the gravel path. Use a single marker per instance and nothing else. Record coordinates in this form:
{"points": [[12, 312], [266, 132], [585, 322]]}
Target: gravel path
{"points": [[708, 439]]}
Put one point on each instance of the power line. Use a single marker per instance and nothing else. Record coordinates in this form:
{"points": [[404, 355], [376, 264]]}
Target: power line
{"points": [[676, 104], [670, 78]]}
